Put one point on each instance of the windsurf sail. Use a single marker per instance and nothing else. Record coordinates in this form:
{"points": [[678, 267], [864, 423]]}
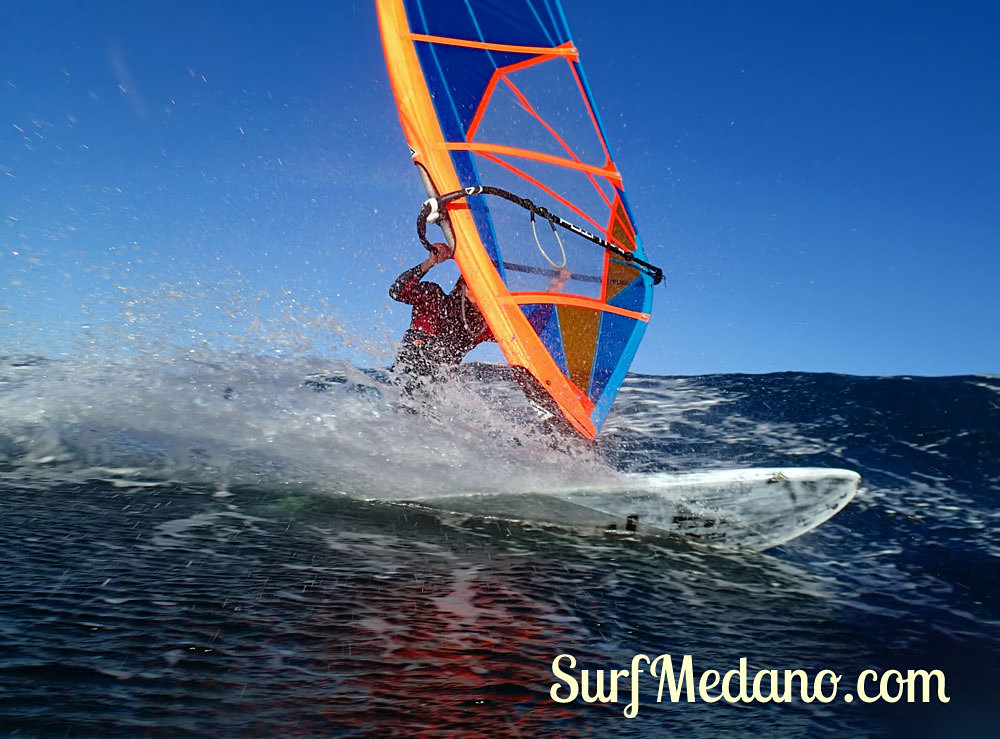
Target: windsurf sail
{"points": [[504, 131]]}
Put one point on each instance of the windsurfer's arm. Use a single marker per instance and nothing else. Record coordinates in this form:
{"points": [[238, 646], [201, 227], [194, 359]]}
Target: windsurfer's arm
{"points": [[408, 288], [558, 280]]}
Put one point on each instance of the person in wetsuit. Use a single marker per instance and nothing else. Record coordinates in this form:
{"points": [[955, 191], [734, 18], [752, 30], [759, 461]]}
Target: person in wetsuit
{"points": [[444, 326]]}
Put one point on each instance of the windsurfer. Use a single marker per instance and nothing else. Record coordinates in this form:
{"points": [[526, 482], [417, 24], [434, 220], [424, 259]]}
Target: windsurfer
{"points": [[444, 327]]}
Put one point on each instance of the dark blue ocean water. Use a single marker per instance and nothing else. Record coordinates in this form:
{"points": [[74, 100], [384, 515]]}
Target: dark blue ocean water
{"points": [[205, 547]]}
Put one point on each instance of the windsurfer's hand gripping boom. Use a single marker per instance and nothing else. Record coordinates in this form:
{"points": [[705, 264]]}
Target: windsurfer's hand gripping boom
{"points": [[437, 254]]}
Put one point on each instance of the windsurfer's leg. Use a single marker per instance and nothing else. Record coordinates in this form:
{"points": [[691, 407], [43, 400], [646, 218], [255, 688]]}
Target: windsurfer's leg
{"points": [[413, 368]]}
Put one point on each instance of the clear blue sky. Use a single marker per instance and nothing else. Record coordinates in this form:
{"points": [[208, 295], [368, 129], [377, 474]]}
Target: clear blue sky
{"points": [[820, 182]]}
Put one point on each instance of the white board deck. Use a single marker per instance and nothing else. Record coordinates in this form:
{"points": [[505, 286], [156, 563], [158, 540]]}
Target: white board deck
{"points": [[750, 509]]}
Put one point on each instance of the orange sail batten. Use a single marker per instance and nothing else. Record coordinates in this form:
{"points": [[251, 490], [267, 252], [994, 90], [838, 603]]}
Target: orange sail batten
{"points": [[566, 50]]}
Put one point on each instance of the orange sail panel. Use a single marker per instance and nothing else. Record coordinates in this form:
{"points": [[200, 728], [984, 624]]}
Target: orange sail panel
{"points": [[492, 93]]}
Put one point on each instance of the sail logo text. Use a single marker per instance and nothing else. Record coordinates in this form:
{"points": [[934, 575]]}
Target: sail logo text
{"points": [[736, 685]]}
